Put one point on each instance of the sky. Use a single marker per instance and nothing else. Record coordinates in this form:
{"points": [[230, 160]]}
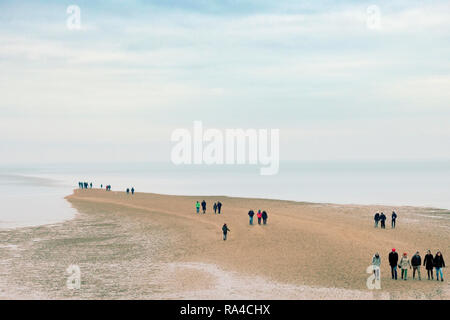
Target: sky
{"points": [[337, 85]]}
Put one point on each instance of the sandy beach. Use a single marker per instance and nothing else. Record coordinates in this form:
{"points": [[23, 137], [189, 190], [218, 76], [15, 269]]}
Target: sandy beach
{"points": [[156, 247]]}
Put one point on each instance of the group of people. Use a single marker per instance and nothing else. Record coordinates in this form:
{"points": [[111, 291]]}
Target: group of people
{"points": [[437, 262], [217, 207], [84, 185], [381, 218], [260, 215], [132, 190]]}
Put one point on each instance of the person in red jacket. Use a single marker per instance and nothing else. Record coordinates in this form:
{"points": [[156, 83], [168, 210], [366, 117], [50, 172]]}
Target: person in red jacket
{"points": [[259, 215]]}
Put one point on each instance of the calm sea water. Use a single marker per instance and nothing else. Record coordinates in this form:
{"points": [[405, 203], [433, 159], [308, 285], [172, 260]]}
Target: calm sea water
{"points": [[31, 195]]}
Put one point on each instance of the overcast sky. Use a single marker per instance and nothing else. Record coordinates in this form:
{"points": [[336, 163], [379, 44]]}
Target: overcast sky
{"points": [[336, 87]]}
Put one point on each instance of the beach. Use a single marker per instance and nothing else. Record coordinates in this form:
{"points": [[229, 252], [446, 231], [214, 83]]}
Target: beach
{"points": [[153, 246]]}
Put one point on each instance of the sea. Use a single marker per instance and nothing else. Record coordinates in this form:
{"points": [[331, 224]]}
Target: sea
{"points": [[33, 194]]}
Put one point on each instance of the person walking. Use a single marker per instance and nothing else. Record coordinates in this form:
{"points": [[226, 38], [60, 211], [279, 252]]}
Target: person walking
{"points": [[264, 217], [197, 205], [251, 213], [416, 262], [393, 219], [219, 206], [132, 190], [376, 263], [225, 231], [204, 206], [215, 208], [439, 264], [404, 264], [428, 264], [383, 221], [128, 190], [393, 261], [376, 218], [259, 215]]}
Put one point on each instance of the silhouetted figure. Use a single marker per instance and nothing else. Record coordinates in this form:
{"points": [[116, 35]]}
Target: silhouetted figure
{"points": [[219, 207], [416, 262], [128, 190], [225, 231], [383, 221], [215, 208], [393, 261], [264, 217], [394, 218], [204, 206], [251, 213], [376, 218], [429, 264], [132, 190], [439, 264]]}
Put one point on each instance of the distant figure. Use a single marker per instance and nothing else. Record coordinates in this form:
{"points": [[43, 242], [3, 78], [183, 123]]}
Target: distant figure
{"points": [[215, 208], [197, 205], [429, 264], [225, 231], [439, 264], [383, 221], [376, 218], [219, 207], [376, 263], [394, 217], [101, 186], [204, 206], [404, 264], [128, 190], [259, 216], [393, 260], [85, 185], [132, 190], [91, 185], [251, 213], [264, 217], [416, 262]]}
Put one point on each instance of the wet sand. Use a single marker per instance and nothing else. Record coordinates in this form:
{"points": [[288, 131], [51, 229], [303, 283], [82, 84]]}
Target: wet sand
{"points": [[156, 247]]}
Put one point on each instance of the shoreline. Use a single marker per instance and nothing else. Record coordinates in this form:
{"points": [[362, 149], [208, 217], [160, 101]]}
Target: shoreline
{"points": [[154, 246], [285, 250]]}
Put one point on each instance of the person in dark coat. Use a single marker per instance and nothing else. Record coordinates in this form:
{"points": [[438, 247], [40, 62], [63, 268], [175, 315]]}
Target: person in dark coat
{"points": [[416, 262], [132, 190], [439, 263], [264, 217], [128, 190], [219, 206], [393, 261], [428, 264], [376, 218], [383, 221], [225, 231], [215, 208], [204, 206], [251, 213], [393, 219]]}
